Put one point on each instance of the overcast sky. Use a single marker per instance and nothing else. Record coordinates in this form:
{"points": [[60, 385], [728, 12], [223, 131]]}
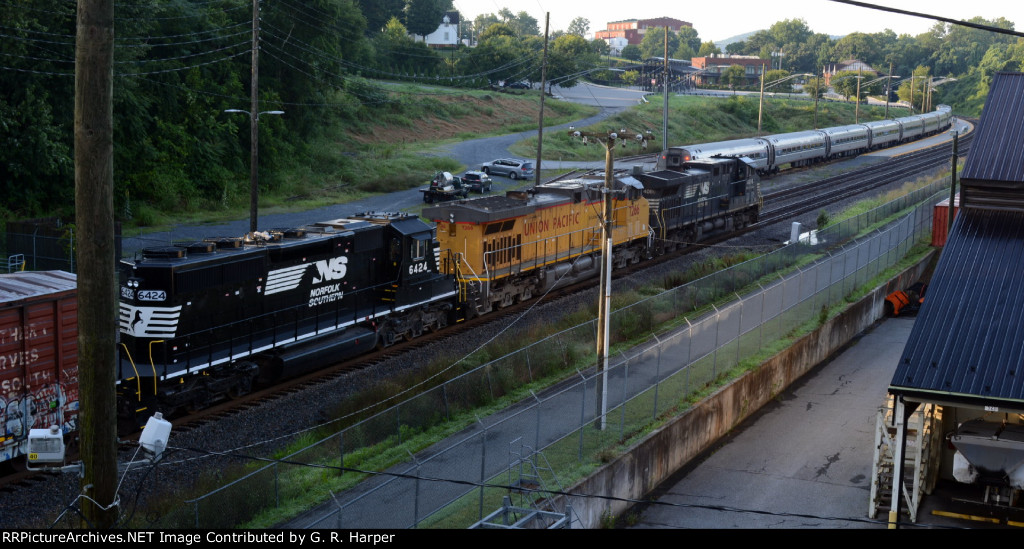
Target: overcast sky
{"points": [[727, 18]]}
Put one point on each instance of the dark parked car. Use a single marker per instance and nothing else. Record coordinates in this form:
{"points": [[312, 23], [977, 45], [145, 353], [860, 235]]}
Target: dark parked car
{"points": [[512, 167], [477, 181], [517, 85], [444, 186]]}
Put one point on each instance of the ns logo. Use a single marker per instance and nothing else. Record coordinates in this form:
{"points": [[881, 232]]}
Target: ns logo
{"points": [[330, 269]]}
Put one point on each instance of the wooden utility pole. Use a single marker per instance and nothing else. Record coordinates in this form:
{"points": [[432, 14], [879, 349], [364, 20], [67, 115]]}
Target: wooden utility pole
{"points": [[888, 91], [97, 287], [605, 301], [760, 103], [664, 87], [254, 125], [856, 109], [817, 93], [543, 82]]}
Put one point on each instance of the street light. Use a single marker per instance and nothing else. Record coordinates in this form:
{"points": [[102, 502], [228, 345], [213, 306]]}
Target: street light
{"points": [[760, 105], [254, 125], [932, 84]]}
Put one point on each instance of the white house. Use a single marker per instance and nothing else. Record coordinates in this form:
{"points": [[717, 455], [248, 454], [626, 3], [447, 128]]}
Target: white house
{"points": [[447, 33]]}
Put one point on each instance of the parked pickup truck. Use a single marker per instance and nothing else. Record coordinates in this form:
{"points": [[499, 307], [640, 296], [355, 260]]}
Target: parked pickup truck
{"points": [[444, 186]]}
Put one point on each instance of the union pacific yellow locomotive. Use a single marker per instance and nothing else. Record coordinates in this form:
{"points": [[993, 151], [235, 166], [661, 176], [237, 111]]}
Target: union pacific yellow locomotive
{"points": [[509, 248]]}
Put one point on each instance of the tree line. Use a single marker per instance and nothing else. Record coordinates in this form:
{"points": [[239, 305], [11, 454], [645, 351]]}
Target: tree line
{"points": [[180, 64]]}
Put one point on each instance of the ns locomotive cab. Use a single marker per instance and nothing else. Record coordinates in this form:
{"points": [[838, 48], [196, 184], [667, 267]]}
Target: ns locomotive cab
{"points": [[210, 319]]}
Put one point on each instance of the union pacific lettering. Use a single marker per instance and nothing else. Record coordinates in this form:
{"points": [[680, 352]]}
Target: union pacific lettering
{"points": [[558, 222]]}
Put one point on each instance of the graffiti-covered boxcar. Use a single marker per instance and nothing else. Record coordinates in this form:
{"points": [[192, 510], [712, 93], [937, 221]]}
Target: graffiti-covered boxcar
{"points": [[38, 356]]}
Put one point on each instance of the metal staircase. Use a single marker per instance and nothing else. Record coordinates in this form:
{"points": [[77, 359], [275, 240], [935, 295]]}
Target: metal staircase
{"points": [[531, 482], [920, 460]]}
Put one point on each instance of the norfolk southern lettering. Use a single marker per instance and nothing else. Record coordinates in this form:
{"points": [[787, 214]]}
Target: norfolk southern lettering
{"points": [[327, 294]]}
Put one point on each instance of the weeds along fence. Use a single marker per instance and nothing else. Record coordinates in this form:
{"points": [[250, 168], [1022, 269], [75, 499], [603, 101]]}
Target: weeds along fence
{"points": [[380, 473]]}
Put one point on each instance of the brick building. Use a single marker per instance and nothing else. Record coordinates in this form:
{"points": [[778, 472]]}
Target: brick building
{"points": [[710, 68], [631, 31]]}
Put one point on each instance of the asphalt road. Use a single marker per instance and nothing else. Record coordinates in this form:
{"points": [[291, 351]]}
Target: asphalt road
{"points": [[470, 153]]}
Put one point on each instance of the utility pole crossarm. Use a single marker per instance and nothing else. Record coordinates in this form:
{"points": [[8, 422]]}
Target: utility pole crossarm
{"points": [[607, 250]]}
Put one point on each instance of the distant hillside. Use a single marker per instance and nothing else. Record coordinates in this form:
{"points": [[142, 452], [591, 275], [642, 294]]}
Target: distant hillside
{"points": [[738, 38], [742, 37]]}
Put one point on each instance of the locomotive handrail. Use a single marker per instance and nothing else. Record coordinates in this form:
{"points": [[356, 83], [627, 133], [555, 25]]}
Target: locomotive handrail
{"points": [[153, 364], [138, 379]]}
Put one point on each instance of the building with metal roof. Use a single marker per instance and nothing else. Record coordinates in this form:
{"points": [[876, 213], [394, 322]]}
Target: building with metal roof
{"points": [[966, 350]]}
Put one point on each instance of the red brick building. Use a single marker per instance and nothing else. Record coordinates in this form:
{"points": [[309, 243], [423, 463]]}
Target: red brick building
{"points": [[710, 68], [633, 30]]}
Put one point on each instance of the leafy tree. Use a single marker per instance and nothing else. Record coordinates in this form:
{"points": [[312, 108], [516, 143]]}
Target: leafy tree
{"points": [[912, 90], [963, 47], [778, 74], [688, 35], [735, 48], [422, 17], [1001, 57], [497, 29], [600, 47], [707, 49], [500, 56], [632, 52], [579, 26], [568, 57], [631, 77], [398, 50], [859, 46], [379, 12], [653, 43], [734, 76], [483, 21], [845, 83], [815, 87], [683, 52], [524, 24]]}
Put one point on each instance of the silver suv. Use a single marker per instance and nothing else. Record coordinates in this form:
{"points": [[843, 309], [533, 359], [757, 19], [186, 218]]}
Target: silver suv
{"points": [[512, 167]]}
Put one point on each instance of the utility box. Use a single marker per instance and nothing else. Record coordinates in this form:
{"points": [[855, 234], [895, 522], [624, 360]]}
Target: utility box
{"points": [[46, 445], [940, 221]]}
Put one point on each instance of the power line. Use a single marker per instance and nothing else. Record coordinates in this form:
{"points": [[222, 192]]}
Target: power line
{"points": [[548, 493], [928, 16]]}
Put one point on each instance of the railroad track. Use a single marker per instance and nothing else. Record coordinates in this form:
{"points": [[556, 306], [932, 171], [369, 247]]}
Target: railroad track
{"points": [[779, 205]]}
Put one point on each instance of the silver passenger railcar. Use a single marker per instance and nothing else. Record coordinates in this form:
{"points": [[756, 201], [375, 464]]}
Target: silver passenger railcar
{"points": [[882, 133], [913, 127], [798, 148], [756, 149], [847, 140]]}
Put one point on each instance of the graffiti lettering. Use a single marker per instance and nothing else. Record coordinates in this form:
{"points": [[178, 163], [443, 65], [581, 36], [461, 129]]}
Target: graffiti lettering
{"points": [[20, 333], [18, 359]]}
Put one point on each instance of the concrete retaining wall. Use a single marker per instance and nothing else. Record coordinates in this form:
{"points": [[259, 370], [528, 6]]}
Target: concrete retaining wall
{"points": [[652, 461]]}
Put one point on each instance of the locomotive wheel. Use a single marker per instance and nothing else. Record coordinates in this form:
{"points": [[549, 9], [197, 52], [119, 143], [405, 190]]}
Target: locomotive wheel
{"points": [[243, 387], [415, 331], [200, 400], [387, 337]]}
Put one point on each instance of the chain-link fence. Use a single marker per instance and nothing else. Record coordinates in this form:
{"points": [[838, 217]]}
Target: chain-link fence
{"points": [[699, 334]]}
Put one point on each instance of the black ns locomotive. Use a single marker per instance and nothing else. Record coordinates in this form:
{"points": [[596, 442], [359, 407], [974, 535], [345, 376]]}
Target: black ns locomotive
{"points": [[212, 319]]}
